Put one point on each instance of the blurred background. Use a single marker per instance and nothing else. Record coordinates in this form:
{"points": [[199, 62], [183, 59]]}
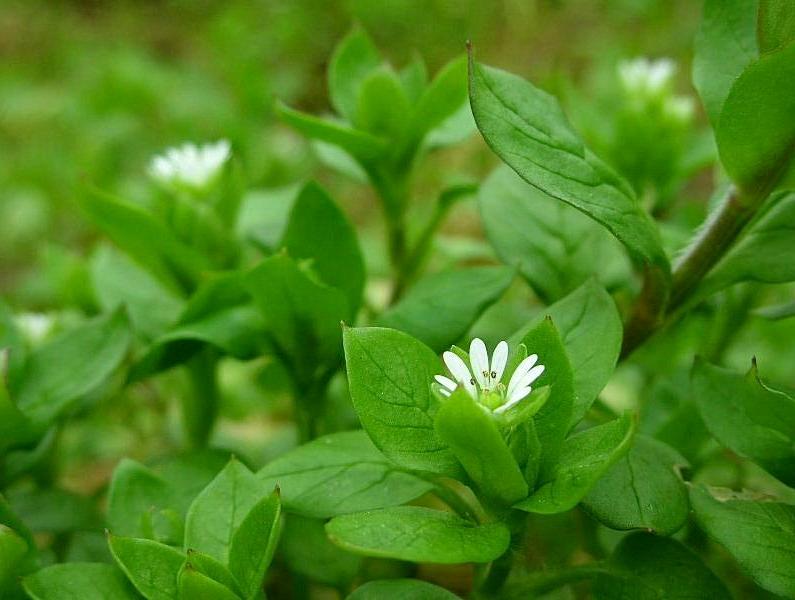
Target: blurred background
{"points": [[90, 90]]}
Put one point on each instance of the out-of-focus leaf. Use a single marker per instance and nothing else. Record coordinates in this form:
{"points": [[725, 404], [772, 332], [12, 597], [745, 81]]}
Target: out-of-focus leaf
{"points": [[400, 589], [87, 581], [355, 57]]}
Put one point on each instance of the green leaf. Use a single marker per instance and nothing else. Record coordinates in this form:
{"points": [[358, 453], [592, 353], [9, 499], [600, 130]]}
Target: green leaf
{"points": [[339, 473], [134, 491], [194, 584], [220, 508], [319, 231], [591, 330], [54, 510], [302, 315], [756, 131], [776, 26], [647, 567], [752, 420], [87, 581], [307, 550], [440, 308], [642, 490], [760, 535], [555, 246], [209, 567], [150, 566], [725, 45], [419, 534], [146, 240], [117, 280], [585, 457], [355, 57], [527, 129], [390, 375], [382, 105], [363, 146], [254, 543], [400, 589], [763, 254], [15, 428], [71, 366], [13, 550], [472, 434], [552, 422]]}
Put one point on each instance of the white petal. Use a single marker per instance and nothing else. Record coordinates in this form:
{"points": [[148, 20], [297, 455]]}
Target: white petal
{"points": [[445, 382], [479, 359], [445, 393], [521, 371], [499, 359], [460, 372], [513, 400]]}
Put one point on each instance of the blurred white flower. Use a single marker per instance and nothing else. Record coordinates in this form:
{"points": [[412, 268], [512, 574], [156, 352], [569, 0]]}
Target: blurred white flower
{"points": [[35, 327], [484, 379], [646, 77], [189, 164]]}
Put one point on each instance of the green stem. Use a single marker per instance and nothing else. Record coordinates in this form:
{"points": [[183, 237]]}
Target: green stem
{"points": [[500, 569], [200, 404]]}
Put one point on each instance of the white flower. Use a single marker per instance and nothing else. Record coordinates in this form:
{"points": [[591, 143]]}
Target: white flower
{"points": [[189, 164], [646, 77], [35, 326], [484, 379]]}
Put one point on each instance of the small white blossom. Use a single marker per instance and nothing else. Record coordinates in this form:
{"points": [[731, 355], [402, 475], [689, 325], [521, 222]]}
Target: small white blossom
{"points": [[646, 77], [190, 165], [485, 377], [34, 326]]}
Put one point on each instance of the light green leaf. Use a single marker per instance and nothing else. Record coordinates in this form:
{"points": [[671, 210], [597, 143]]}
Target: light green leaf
{"points": [[383, 107], [317, 230], [400, 589], [390, 375], [642, 490], [254, 543], [754, 421], [302, 314], [760, 535], [220, 508], [776, 27], [527, 129], [209, 567], [725, 45], [585, 457], [71, 366], [339, 473], [307, 550], [355, 57], [647, 567], [555, 247], [87, 581], [756, 131], [146, 240], [440, 308], [150, 566], [194, 584], [591, 330], [552, 422], [134, 491], [419, 534], [473, 436], [13, 550], [363, 146]]}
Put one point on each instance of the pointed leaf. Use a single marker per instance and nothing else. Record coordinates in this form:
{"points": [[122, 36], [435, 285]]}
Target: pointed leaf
{"points": [[150, 566], [87, 581]]}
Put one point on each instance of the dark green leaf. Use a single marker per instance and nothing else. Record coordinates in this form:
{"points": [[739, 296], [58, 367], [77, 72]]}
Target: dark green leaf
{"points": [[643, 490], [54, 510], [585, 457], [400, 589], [71, 366], [13, 550], [756, 132], [747, 417], [776, 26], [339, 473], [759, 534], [390, 375], [725, 45], [472, 435], [319, 231], [440, 308], [555, 246], [646, 567], [220, 508], [355, 57], [208, 566], [87, 581], [150, 566], [253, 544], [419, 535], [552, 422], [528, 130]]}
